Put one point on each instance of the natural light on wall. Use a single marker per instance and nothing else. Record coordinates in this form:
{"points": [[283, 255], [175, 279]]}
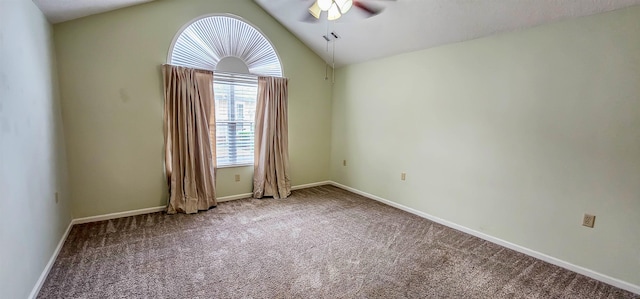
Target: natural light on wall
{"points": [[237, 52]]}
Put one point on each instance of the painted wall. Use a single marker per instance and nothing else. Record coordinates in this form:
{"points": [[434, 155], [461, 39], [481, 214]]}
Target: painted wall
{"points": [[32, 152], [112, 98], [515, 135]]}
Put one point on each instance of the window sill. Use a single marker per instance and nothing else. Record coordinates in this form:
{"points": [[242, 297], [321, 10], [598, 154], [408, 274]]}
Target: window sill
{"points": [[234, 166]]}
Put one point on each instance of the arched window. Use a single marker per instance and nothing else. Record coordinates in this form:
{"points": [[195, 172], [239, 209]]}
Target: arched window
{"points": [[237, 52]]}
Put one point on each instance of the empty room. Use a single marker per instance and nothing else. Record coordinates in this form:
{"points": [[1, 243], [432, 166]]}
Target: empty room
{"points": [[319, 149]]}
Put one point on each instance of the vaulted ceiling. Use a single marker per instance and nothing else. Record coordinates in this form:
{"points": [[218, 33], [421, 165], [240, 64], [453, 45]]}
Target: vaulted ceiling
{"points": [[402, 26], [409, 25], [64, 10]]}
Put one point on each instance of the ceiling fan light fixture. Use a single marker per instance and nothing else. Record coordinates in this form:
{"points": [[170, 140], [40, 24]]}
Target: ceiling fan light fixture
{"points": [[324, 5], [315, 10], [334, 12], [344, 5]]}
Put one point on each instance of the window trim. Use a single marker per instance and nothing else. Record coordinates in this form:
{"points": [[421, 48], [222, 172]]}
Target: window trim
{"points": [[234, 165]]}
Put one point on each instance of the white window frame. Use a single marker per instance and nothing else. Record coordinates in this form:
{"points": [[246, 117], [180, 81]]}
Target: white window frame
{"points": [[238, 80]]}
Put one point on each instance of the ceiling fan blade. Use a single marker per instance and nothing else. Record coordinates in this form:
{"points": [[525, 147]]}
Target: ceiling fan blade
{"points": [[313, 13], [315, 10], [369, 9]]}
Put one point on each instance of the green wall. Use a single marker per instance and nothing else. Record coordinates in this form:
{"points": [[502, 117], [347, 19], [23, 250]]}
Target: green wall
{"points": [[112, 100], [33, 164], [515, 136]]}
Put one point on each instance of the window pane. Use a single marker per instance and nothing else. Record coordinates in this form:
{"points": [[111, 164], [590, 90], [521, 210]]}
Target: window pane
{"points": [[234, 143], [222, 92], [235, 113]]}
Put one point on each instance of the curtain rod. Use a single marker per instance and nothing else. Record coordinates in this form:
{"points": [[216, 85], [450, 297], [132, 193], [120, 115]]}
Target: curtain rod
{"points": [[221, 72], [186, 67]]}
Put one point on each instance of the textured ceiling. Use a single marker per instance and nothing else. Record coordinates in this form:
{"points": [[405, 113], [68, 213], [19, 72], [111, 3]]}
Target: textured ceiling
{"points": [[409, 25], [404, 25], [64, 10]]}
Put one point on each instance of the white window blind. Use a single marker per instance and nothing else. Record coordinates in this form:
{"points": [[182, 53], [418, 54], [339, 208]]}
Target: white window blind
{"points": [[206, 41], [235, 108]]}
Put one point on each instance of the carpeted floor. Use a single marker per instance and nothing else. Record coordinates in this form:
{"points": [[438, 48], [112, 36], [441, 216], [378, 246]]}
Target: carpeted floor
{"points": [[322, 242]]}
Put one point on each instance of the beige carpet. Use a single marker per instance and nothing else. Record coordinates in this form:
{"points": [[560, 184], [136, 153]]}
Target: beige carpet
{"points": [[321, 242]]}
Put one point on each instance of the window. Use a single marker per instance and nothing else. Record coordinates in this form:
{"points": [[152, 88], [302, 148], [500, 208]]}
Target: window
{"points": [[235, 105], [240, 110], [237, 52]]}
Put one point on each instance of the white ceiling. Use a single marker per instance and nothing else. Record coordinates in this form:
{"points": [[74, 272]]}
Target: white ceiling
{"points": [[64, 10], [404, 25], [409, 25]]}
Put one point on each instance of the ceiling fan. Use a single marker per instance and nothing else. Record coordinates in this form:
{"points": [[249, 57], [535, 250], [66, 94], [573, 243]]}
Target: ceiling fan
{"points": [[336, 8]]}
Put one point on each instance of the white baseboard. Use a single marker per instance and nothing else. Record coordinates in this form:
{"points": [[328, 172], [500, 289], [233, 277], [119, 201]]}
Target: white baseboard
{"points": [[530, 252], [316, 184], [247, 195], [234, 197], [163, 208], [52, 260], [118, 215]]}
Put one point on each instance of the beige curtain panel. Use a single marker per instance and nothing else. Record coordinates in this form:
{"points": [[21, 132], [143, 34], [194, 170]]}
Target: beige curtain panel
{"points": [[189, 128], [271, 153]]}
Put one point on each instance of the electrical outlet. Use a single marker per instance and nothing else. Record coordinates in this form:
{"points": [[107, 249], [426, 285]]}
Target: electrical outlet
{"points": [[403, 176], [237, 177], [344, 162], [57, 199], [588, 220]]}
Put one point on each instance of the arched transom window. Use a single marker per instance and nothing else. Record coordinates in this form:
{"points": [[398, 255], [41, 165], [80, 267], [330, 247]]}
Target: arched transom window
{"points": [[225, 43]]}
